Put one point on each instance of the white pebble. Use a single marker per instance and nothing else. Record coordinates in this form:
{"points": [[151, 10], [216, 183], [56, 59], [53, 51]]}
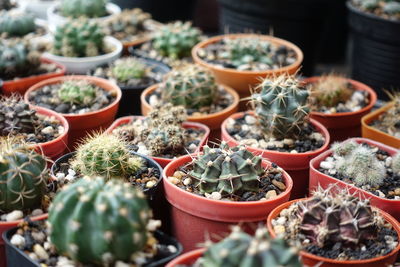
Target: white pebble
{"points": [[37, 212], [17, 240], [281, 220], [150, 184], [216, 195], [40, 252], [152, 225], [326, 165], [47, 130], [14, 215], [172, 248], [245, 128], [294, 151], [60, 176], [192, 147], [153, 101], [332, 171], [250, 120], [39, 236], [230, 123], [278, 144], [60, 129], [71, 172], [33, 256], [46, 245], [142, 150], [288, 141], [388, 162], [121, 264], [187, 181]]}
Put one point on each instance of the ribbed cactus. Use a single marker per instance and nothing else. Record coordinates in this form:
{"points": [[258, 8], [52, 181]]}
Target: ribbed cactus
{"points": [[396, 163], [189, 85], [86, 8], [79, 38], [239, 249], [23, 176], [127, 68], [77, 92], [106, 155], [16, 24], [175, 40], [227, 170], [344, 148], [281, 106], [98, 222]]}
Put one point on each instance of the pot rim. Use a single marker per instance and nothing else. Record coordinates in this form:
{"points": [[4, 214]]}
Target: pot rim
{"points": [[354, 9]]}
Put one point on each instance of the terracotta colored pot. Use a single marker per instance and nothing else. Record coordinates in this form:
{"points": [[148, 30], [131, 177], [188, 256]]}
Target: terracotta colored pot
{"points": [[188, 258], [345, 124], [136, 42], [240, 80], [187, 125], [309, 259], [83, 124], [297, 165], [194, 216], [21, 85], [318, 178], [372, 133]]}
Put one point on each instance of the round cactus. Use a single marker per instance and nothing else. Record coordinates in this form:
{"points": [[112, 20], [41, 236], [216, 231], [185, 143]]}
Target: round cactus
{"points": [[86, 8], [77, 92], [344, 148], [98, 222], [396, 163], [128, 68], [16, 24]]}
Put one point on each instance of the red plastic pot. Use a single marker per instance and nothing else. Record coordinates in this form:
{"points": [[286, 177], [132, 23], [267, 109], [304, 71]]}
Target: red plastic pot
{"points": [[83, 124], [187, 125], [309, 259], [345, 124], [194, 216], [21, 85], [188, 258], [296, 165], [318, 178]]}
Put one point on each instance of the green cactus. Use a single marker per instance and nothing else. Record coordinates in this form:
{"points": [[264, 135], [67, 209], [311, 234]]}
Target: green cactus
{"points": [[23, 176], [16, 24], [344, 148], [79, 38], [281, 106], [83, 8], [127, 68], [392, 8], [77, 92], [175, 40], [97, 222], [190, 85], [396, 163]]}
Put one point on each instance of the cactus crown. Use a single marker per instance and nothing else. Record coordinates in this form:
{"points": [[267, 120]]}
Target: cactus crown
{"points": [[23, 176], [175, 40], [396, 163], [85, 8], [127, 68], [189, 85], [14, 23], [281, 106], [77, 92]]}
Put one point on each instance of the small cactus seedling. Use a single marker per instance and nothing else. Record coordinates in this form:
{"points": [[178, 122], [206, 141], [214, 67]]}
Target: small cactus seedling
{"points": [[344, 148], [396, 163], [77, 92], [97, 222], [128, 68], [86, 8], [16, 24]]}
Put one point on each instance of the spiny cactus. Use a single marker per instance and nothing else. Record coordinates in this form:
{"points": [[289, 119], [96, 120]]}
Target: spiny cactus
{"points": [[281, 106], [239, 249], [175, 40], [98, 222], [15, 23], [23, 176], [79, 38], [189, 85], [344, 148], [106, 155], [86, 8], [227, 170], [127, 68], [77, 92], [396, 163]]}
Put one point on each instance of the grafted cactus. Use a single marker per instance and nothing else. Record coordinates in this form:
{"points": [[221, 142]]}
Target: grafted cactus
{"points": [[127, 68], [15, 23], [77, 92], [86, 8]]}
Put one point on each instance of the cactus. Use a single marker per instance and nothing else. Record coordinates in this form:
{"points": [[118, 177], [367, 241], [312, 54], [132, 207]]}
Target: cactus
{"points": [[77, 92], [189, 85], [392, 8], [86, 8], [389, 121], [97, 222], [344, 148], [281, 106], [16, 24], [175, 40], [106, 155], [23, 176], [79, 38], [239, 249], [396, 163], [128, 68]]}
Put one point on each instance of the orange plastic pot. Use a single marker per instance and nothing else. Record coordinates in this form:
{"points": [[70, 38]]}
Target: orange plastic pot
{"points": [[83, 124], [194, 216], [296, 164], [345, 124], [373, 133], [136, 42], [187, 125], [187, 259], [318, 178], [309, 259], [21, 85]]}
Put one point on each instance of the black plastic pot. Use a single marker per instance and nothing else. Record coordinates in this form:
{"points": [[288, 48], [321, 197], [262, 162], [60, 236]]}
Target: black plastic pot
{"points": [[375, 53]]}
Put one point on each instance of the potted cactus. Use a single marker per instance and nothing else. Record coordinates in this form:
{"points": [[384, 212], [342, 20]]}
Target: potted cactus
{"points": [[81, 45], [337, 230], [240, 249], [127, 234], [339, 104], [219, 187], [17, 24], [279, 128]]}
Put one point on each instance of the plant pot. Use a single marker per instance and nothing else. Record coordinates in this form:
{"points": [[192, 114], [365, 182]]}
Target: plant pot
{"points": [[309, 259], [194, 217], [81, 65], [240, 80], [135, 43], [296, 165], [213, 121], [376, 50], [187, 125], [20, 85], [318, 178], [83, 124], [344, 125], [371, 132], [187, 259]]}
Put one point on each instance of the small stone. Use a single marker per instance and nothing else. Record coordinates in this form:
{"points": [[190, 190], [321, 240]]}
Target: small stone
{"points": [[40, 252], [278, 144], [173, 180], [380, 193], [397, 191], [294, 151], [33, 256], [270, 194], [278, 184], [263, 144], [192, 147], [279, 229], [281, 221], [121, 264], [196, 114], [178, 174], [39, 236], [187, 181], [60, 176], [71, 172], [37, 212], [216, 195], [230, 123], [326, 165], [17, 240], [245, 128], [47, 130], [172, 248], [288, 141], [250, 119], [14, 216], [150, 184], [46, 246], [153, 100], [388, 161]]}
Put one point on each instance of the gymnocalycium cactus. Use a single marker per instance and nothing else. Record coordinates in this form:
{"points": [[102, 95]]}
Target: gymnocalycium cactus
{"points": [[99, 222], [15, 23], [189, 85], [281, 106], [175, 40], [23, 176], [79, 38], [86, 8], [239, 249], [127, 68], [77, 92]]}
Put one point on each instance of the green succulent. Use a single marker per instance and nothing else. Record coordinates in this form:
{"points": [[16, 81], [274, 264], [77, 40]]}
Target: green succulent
{"points": [[127, 68], [16, 24], [77, 92], [83, 8]]}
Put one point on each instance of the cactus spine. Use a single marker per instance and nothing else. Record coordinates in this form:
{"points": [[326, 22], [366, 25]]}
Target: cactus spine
{"points": [[77, 92], [86, 8], [127, 68], [16, 24]]}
